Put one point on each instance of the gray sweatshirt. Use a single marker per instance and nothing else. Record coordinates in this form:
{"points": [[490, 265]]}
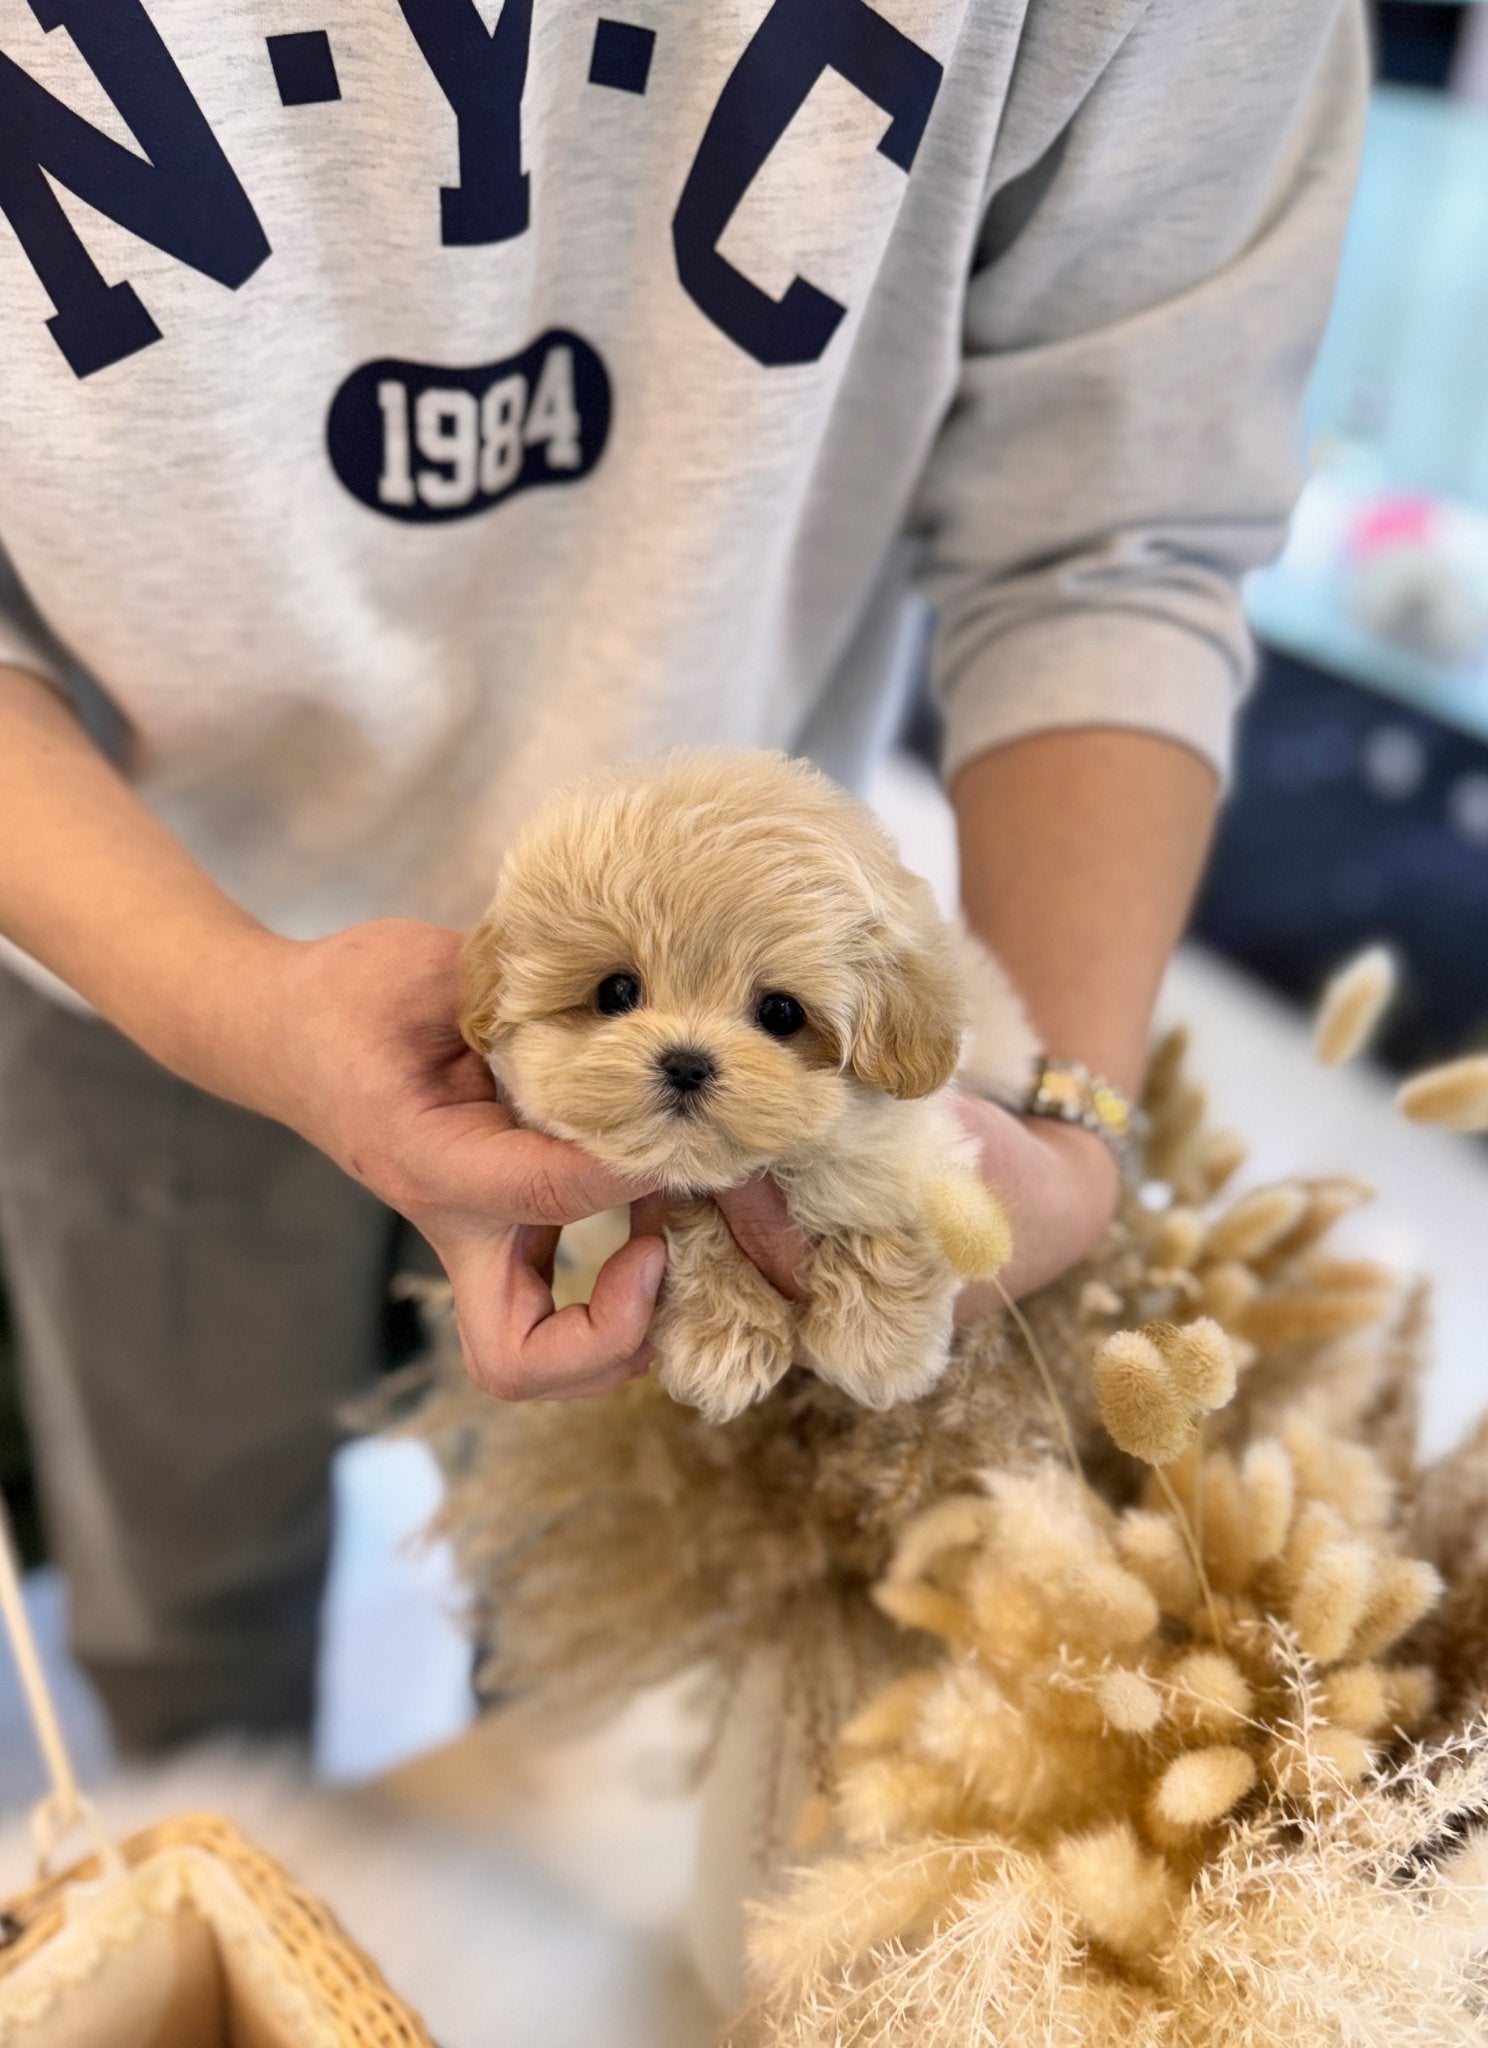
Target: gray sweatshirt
{"points": [[402, 414]]}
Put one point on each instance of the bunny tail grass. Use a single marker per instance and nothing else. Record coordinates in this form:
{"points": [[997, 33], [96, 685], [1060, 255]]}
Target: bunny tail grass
{"points": [[970, 1225]]}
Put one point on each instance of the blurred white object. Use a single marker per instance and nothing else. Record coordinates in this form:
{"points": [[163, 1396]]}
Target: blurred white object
{"points": [[1418, 576], [394, 1664]]}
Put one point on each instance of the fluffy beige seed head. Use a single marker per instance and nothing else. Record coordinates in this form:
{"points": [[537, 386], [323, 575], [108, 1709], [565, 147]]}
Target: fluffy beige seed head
{"points": [[1250, 1227], [1317, 1523], [958, 1523], [1199, 1358], [1125, 1895], [1306, 1316], [1332, 1598], [1454, 1096], [1342, 1751], [1200, 1788], [1179, 1239], [915, 1605], [1268, 1484], [1221, 1154], [1353, 1003], [1107, 1607], [1150, 1544], [1131, 1703], [1410, 1691], [1305, 1766], [1221, 1511], [887, 1718], [1227, 1289], [1356, 1696], [969, 1224], [1140, 1406], [1351, 1275], [891, 1798], [1408, 1588], [1210, 1693], [1099, 1298]]}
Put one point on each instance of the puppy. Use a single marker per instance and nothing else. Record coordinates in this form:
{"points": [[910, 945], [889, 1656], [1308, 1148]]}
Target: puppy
{"points": [[716, 966]]}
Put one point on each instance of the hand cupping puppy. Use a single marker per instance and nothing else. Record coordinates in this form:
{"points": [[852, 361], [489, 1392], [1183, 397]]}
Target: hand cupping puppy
{"points": [[718, 967]]}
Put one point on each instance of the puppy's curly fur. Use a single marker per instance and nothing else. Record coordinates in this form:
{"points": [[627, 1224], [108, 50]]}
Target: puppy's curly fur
{"points": [[717, 966]]}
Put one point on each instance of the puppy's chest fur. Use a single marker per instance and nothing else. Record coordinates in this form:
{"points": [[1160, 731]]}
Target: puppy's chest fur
{"points": [[870, 1171]]}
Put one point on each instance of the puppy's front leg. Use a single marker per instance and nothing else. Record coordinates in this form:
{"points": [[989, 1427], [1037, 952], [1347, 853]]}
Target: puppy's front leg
{"points": [[877, 1320], [723, 1336]]}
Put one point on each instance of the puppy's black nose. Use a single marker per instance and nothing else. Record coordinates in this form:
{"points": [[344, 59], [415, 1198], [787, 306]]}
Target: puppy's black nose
{"points": [[686, 1069]]}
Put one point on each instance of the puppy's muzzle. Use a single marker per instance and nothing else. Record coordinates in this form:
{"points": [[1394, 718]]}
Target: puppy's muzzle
{"points": [[685, 1071]]}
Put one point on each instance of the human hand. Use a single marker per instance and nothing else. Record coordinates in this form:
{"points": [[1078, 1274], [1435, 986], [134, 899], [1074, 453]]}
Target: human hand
{"points": [[1059, 1184], [357, 1048]]}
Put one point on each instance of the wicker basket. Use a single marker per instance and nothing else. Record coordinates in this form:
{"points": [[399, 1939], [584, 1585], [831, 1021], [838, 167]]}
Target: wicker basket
{"points": [[185, 1936]]}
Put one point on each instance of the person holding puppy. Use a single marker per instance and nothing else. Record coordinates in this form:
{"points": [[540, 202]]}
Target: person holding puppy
{"points": [[414, 414]]}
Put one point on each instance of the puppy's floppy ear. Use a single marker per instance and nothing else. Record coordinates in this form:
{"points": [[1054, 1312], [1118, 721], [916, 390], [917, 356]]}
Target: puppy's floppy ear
{"points": [[908, 1040], [480, 995]]}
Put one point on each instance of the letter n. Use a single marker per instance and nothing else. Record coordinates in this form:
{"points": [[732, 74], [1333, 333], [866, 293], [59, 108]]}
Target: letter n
{"points": [[181, 196]]}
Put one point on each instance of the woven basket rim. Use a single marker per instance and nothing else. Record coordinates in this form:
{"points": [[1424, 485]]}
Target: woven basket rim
{"points": [[341, 1976]]}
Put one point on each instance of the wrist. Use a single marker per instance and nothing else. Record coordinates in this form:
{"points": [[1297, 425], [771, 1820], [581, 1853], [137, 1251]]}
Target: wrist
{"points": [[1088, 1158], [214, 1012]]}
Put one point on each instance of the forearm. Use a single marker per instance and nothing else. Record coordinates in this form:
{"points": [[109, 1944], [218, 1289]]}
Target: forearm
{"points": [[97, 890], [1080, 853]]}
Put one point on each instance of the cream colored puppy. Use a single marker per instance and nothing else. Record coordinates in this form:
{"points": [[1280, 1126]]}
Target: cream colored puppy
{"points": [[716, 966]]}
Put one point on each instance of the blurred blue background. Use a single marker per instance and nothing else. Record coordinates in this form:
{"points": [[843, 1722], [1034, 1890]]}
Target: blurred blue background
{"points": [[1360, 808]]}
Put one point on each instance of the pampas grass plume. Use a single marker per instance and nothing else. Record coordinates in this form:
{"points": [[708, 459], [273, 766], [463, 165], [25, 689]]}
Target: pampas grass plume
{"points": [[1352, 1005], [1455, 1095]]}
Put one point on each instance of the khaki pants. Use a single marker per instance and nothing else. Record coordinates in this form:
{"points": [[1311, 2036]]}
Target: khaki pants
{"points": [[194, 1293]]}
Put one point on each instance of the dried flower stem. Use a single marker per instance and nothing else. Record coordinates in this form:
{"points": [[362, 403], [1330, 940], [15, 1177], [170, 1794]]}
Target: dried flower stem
{"points": [[1060, 1412], [1190, 1543]]}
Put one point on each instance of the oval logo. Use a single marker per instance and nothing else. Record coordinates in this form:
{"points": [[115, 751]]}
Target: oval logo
{"points": [[417, 442]]}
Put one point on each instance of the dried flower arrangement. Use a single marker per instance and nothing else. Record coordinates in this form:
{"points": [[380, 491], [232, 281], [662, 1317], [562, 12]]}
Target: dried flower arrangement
{"points": [[1144, 1642]]}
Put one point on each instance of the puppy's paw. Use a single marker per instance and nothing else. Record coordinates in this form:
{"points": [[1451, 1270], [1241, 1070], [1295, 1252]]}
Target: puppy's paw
{"points": [[877, 1322], [723, 1336], [718, 1371]]}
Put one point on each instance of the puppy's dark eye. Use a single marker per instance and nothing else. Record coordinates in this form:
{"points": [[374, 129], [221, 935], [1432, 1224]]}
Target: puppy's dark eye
{"points": [[782, 1016], [616, 994]]}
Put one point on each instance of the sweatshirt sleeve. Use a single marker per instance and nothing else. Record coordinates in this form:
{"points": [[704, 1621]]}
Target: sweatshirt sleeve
{"points": [[24, 640], [1125, 441]]}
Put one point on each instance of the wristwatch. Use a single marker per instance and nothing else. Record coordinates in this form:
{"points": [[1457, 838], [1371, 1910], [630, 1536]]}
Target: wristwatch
{"points": [[1072, 1094]]}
